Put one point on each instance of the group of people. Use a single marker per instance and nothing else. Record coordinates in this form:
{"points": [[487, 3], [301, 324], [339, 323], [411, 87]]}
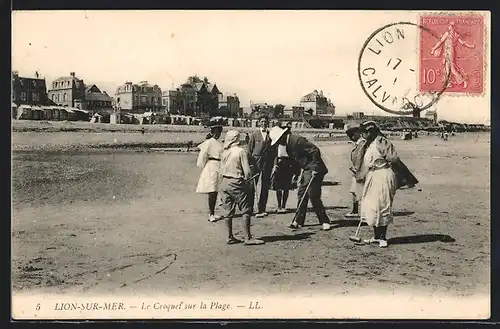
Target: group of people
{"points": [[277, 159]]}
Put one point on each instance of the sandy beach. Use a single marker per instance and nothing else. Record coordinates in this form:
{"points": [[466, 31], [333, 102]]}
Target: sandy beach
{"points": [[96, 221]]}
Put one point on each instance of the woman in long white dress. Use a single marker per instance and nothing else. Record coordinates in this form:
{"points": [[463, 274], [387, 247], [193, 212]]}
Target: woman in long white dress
{"points": [[380, 183], [209, 159]]}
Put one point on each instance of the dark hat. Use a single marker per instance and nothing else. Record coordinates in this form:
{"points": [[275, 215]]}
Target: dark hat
{"points": [[215, 123], [350, 131], [367, 125]]}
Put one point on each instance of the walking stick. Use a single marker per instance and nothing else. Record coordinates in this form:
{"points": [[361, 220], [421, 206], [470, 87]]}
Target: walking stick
{"points": [[301, 200]]}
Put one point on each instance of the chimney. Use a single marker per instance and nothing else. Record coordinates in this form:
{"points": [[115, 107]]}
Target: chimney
{"points": [[72, 74]]}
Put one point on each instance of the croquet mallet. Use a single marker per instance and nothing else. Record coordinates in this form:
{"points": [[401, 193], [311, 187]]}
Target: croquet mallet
{"points": [[301, 201], [355, 237]]}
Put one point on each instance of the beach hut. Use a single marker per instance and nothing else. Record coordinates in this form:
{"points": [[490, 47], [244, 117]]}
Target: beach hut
{"points": [[47, 113], [80, 115], [24, 112], [57, 113], [66, 113], [37, 113]]}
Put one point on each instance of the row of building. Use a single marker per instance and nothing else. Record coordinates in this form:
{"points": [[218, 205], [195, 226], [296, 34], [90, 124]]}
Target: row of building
{"points": [[196, 97]]}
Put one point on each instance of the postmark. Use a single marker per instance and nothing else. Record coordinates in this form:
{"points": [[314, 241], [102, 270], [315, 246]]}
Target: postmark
{"points": [[458, 52], [388, 69]]}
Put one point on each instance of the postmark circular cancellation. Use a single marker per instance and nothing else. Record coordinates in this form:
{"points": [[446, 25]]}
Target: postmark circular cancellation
{"points": [[405, 67]]}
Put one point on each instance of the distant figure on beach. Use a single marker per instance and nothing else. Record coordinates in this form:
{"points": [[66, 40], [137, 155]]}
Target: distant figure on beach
{"points": [[143, 130], [189, 145], [209, 160]]}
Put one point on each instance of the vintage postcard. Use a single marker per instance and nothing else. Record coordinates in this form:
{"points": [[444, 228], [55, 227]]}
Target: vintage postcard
{"points": [[250, 164]]}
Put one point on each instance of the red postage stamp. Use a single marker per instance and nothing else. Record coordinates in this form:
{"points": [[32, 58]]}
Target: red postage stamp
{"points": [[452, 54]]}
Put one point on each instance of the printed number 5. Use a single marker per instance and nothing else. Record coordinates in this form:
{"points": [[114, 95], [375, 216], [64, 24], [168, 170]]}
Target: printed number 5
{"points": [[38, 307]]}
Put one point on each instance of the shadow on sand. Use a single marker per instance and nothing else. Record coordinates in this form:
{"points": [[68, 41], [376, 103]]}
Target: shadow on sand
{"points": [[423, 238], [403, 213], [340, 223], [330, 183], [310, 209], [294, 237]]}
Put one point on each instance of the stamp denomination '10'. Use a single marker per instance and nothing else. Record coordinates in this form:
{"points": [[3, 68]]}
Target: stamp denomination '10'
{"points": [[454, 49]]}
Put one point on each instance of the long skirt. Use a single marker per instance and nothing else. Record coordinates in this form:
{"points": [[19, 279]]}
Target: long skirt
{"points": [[282, 176], [356, 189], [378, 195], [209, 178]]}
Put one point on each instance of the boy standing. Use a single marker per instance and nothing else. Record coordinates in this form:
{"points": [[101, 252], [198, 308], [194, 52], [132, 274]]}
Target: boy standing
{"points": [[236, 186]]}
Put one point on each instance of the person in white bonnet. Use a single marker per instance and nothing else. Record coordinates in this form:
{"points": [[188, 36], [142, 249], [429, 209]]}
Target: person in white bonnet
{"points": [[237, 186]]}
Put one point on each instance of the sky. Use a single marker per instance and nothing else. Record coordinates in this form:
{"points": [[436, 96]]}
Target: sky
{"points": [[263, 56]]}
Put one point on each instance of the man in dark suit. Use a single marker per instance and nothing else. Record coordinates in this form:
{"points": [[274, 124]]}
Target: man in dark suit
{"points": [[307, 156], [259, 147]]}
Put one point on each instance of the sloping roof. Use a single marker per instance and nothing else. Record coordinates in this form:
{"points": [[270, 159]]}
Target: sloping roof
{"points": [[211, 86], [89, 88], [199, 86], [90, 96]]}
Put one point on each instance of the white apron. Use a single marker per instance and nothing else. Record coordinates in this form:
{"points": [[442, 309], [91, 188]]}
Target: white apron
{"points": [[379, 189]]}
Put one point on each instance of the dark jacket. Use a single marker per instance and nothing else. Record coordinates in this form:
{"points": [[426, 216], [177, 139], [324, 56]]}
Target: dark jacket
{"points": [[305, 154], [261, 151]]}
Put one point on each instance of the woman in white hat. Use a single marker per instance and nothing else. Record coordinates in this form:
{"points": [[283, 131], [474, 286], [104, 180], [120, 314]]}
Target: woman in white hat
{"points": [[209, 159]]}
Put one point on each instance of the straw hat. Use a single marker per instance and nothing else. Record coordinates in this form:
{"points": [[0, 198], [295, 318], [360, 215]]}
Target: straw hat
{"points": [[368, 124], [232, 137], [275, 134]]}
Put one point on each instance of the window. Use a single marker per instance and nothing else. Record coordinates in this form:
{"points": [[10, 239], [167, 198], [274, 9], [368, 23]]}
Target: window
{"points": [[23, 96], [143, 100], [35, 97], [65, 97]]}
